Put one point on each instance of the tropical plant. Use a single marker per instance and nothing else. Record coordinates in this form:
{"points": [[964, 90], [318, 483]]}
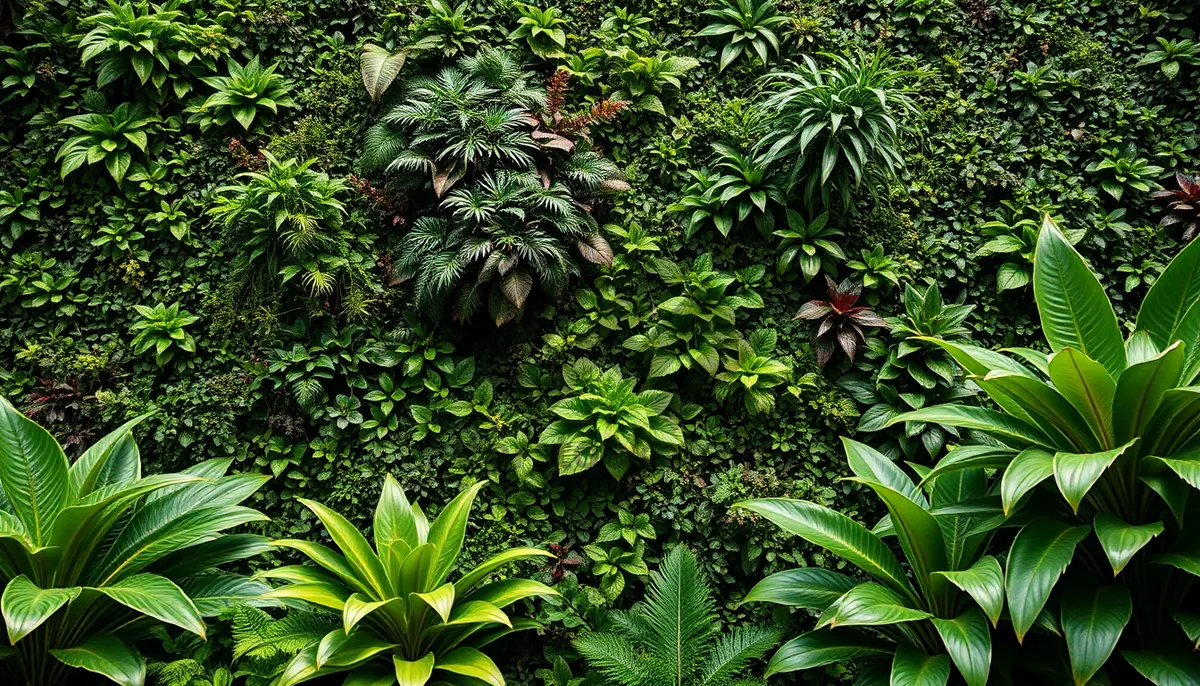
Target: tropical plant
{"points": [[403, 621], [643, 79], [503, 234], [695, 325], [875, 269], [810, 245], [288, 222], [702, 206], [245, 96], [446, 29], [162, 328], [624, 25], [749, 25], [129, 552], [928, 15], [606, 421], [673, 637], [841, 321], [744, 183], [109, 138], [1170, 54], [1014, 235], [542, 31], [151, 42], [838, 124], [754, 373], [1183, 210], [20, 210], [1111, 421], [1122, 169], [471, 118], [908, 622]]}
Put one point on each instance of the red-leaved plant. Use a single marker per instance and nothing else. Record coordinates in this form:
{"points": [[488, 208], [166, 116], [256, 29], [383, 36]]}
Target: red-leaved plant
{"points": [[841, 321], [1184, 209]]}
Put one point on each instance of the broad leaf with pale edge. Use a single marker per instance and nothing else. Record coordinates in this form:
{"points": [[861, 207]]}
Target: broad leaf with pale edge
{"points": [[380, 68], [1076, 474], [34, 473], [869, 604], [106, 656], [1039, 555], [911, 667], [25, 606]]}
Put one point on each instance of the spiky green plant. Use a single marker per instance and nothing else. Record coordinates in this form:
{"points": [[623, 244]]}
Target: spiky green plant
{"points": [[249, 94], [748, 26]]}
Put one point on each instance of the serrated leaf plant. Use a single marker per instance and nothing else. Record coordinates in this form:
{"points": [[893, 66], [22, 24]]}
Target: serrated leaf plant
{"points": [[403, 620], [606, 421], [96, 553], [1093, 459]]}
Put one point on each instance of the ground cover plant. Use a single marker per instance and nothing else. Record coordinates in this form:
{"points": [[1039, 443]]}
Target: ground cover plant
{"points": [[674, 299]]}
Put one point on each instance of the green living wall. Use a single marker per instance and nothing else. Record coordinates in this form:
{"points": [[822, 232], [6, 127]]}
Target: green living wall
{"points": [[567, 252]]}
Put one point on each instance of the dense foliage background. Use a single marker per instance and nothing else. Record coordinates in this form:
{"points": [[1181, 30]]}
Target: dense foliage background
{"points": [[329, 375]]}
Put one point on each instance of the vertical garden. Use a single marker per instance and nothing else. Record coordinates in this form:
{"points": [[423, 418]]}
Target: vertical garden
{"points": [[598, 343]]}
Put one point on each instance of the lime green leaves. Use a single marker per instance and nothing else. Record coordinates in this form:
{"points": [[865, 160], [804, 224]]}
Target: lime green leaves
{"points": [[34, 473], [25, 606]]}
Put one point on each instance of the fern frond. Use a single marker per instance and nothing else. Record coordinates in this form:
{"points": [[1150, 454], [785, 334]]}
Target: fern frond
{"points": [[680, 612], [733, 651], [616, 657]]}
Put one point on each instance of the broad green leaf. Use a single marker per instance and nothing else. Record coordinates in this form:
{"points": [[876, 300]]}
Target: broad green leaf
{"points": [[1025, 472], [359, 556], [970, 457], [158, 597], [869, 465], [106, 656], [85, 473], [505, 592], [34, 473], [1171, 297], [869, 604], [1039, 555], [469, 662], [968, 640], [824, 647], [1140, 392], [983, 581], [1185, 557], [477, 612], [1003, 427], [1190, 623], [339, 650], [1072, 305], [1122, 541], [836, 532], [1175, 423], [441, 600], [811, 588], [25, 606], [473, 577], [356, 607], [449, 529], [393, 522], [1093, 618], [1041, 406], [1076, 474], [1164, 668], [920, 537], [414, 673], [911, 667], [1089, 388], [380, 68]]}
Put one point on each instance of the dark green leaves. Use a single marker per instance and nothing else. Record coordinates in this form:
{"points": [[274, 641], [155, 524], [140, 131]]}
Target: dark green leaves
{"points": [[33, 473], [1040, 554], [984, 582], [1092, 620], [824, 647], [969, 641], [1122, 541]]}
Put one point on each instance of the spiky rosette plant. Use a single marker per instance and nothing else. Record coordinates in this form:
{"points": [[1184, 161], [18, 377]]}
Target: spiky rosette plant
{"points": [[93, 554], [403, 621], [1094, 459]]}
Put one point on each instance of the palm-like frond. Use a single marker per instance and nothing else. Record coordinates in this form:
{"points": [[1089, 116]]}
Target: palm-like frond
{"points": [[733, 652], [679, 612], [614, 655]]}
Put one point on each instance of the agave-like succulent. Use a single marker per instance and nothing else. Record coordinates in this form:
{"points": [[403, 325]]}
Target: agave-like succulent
{"points": [[402, 620], [841, 321], [1184, 209]]}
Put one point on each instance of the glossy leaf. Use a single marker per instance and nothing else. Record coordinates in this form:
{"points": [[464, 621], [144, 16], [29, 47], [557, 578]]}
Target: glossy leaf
{"points": [[1122, 541], [983, 581], [1093, 618], [968, 640], [1039, 555], [911, 667]]}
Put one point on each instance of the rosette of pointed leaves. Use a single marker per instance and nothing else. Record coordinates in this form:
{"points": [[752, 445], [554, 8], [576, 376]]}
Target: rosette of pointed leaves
{"points": [[838, 124], [1097, 437], [695, 325], [403, 621], [607, 421], [841, 321], [542, 30], [95, 554], [673, 637], [754, 373], [748, 25], [243, 96], [108, 138], [1122, 169], [911, 621], [744, 185], [810, 245], [162, 328], [1183, 211]]}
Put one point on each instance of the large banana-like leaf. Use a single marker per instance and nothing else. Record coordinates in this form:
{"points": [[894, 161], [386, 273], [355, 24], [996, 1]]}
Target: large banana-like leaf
{"points": [[911, 667], [1043, 407], [1089, 388], [1076, 474], [1122, 541], [1141, 389], [839, 534], [25, 606], [1039, 555], [107, 656], [870, 604], [1093, 618], [354, 546], [471, 663], [1164, 667], [1169, 301], [984, 582], [87, 472], [157, 597], [450, 529], [969, 643], [811, 588], [34, 473], [1074, 310], [825, 647]]}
